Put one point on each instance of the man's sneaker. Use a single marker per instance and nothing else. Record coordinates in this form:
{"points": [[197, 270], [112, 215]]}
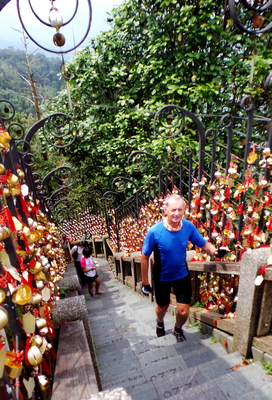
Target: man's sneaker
{"points": [[160, 329], [179, 335]]}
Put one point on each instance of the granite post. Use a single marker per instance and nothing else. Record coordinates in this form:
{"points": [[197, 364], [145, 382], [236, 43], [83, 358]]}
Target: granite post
{"points": [[249, 300]]}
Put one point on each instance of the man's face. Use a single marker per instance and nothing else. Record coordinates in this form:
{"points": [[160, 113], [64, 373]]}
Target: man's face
{"points": [[174, 211]]}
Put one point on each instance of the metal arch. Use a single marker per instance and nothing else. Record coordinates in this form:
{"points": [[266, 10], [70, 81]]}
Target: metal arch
{"points": [[51, 173], [148, 155], [109, 192], [94, 188], [40, 124], [59, 191], [199, 126], [123, 178], [234, 16], [59, 51]]}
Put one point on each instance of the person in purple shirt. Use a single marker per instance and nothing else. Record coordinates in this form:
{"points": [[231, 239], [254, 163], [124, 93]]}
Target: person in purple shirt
{"points": [[168, 240]]}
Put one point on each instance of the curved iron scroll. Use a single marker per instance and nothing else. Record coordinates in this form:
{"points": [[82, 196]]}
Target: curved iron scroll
{"points": [[171, 118], [258, 22], [123, 179], [61, 123], [60, 169]]}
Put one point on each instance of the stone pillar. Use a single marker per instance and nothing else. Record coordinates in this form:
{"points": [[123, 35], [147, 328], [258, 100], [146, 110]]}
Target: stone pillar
{"points": [[249, 300], [70, 283]]}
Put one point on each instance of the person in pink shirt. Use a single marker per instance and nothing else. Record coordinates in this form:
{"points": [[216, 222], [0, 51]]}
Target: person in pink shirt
{"points": [[89, 266]]}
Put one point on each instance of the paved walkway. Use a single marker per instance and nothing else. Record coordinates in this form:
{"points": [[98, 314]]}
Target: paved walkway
{"points": [[131, 356]]}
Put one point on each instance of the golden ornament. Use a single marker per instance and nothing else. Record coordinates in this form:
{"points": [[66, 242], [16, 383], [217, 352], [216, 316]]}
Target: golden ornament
{"points": [[13, 180], [36, 340], [34, 356], [40, 276], [4, 139], [36, 298], [3, 317], [44, 382], [252, 157], [2, 168], [2, 295], [22, 295]]}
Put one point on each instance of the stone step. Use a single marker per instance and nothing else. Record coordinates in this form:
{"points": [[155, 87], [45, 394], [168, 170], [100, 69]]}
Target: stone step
{"points": [[231, 386], [262, 393], [178, 369], [174, 371]]}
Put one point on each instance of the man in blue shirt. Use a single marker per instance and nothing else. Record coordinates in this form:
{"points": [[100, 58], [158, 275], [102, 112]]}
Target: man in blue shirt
{"points": [[168, 240]]}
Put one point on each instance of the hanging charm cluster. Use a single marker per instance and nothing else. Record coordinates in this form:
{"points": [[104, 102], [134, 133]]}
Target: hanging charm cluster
{"points": [[56, 20]]}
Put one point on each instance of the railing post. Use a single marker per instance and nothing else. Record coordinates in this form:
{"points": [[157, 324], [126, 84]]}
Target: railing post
{"points": [[249, 300]]}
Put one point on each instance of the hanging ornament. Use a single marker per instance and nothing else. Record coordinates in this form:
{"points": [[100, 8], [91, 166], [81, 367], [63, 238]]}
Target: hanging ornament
{"points": [[252, 157], [232, 171], [22, 295], [55, 18], [5, 138], [59, 39], [3, 317]]}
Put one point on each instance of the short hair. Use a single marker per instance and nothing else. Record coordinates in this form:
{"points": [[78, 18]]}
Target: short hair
{"points": [[86, 252], [173, 197]]}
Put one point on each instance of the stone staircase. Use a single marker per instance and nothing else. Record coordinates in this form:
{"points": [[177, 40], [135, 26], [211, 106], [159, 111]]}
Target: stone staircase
{"points": [[129, 355]]}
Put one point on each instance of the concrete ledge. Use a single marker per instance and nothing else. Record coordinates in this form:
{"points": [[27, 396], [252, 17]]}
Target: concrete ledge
{"points": [[214, 319], [73, 309], [263, 343], [74, 377]]}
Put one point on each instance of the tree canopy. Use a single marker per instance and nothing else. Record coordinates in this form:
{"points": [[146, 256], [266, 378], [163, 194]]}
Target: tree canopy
{"points": [[180, 52], [14, 82]]}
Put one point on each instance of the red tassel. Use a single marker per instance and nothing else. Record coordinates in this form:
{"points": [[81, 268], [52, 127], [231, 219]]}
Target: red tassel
{"points": [[227, 192], [215, 322], [262, 270], [27, 346], [269, 201], [240, 208], [227, 226], [45, 367], [23, 203], [9, 219], [26, 243], [270, 224]]}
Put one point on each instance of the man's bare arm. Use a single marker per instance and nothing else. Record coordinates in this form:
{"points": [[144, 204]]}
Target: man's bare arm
{"points": [[144, 268]]}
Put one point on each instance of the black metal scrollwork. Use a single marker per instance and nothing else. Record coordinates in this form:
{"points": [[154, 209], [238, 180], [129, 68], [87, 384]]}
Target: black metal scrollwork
{"points": [[258, 20], [34, 9]]}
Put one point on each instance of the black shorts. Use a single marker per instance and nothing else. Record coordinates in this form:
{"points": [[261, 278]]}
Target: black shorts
{"points": [[182, 289], [90, 279]]}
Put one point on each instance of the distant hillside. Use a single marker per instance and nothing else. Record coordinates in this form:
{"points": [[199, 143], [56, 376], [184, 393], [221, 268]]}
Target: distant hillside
{"points": [[13, 86]]}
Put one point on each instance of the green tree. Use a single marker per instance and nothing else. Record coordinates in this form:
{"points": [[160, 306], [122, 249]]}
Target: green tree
{"points": [[14, 78], [187, 53]]}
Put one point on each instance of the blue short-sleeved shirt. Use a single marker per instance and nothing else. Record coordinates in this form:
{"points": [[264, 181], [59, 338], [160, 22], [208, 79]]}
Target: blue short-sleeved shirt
{"points": [[170, 249]]}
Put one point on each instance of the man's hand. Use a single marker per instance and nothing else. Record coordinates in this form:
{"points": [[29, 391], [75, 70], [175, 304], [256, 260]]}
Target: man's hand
{"points": [[146, 289]]}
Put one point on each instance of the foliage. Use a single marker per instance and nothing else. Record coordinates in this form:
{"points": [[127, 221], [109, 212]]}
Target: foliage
{"points": [[16, 89], [199, 304], [268, 367], [180, 52], [213, 340]]}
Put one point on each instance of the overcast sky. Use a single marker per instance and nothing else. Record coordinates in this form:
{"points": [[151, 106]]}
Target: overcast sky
{"points": [[74, 31]]}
